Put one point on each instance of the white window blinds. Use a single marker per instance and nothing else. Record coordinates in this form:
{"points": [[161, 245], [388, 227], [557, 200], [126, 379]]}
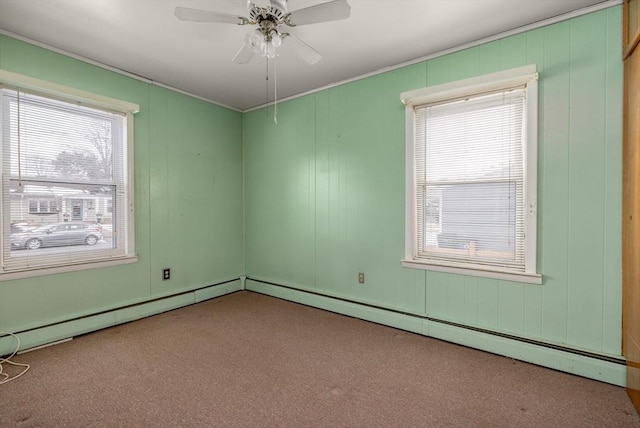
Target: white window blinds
{"points": [[470, 174], [64, 182]]}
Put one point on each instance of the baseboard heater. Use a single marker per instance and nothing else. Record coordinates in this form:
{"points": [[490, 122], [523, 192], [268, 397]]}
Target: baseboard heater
{"points": [[112, 310], [601, 357]]}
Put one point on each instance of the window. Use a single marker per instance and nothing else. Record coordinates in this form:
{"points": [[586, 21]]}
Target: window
{"points": [[471, 176], [63, 152], [40, 206]]}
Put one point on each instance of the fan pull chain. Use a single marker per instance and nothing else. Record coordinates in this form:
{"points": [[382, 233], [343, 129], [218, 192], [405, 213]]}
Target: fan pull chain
{"points": [[275, 91], [267, 84]]}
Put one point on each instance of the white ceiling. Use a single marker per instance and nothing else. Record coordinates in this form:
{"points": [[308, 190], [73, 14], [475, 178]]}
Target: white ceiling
{"points": [[143, 37]]}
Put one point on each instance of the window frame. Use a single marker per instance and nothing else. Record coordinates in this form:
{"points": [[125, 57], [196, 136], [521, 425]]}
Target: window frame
{"points": [[54, 91], [526, 76]]}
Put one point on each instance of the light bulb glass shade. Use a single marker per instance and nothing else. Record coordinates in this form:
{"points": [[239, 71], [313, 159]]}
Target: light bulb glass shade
{"points": [[276, 40], [270, 51], [255, 40]]}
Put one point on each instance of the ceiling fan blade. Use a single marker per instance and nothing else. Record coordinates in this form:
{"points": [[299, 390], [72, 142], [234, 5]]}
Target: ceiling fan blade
{"points": [[303, 50], [280, 5], [330, 11], [244, 55], [197, 15]]}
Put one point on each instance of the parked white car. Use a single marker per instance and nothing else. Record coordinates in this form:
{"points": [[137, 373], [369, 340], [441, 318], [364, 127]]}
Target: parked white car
{"points": [[57, 234]]}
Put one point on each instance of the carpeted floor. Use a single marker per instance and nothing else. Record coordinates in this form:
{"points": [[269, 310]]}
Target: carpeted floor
{"points": [[248, 360]]}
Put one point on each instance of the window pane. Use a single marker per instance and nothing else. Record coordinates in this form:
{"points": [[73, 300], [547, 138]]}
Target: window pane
{"points": [[72, 215], [470, 167], [478, 216], [476, 139], [59, 140]]}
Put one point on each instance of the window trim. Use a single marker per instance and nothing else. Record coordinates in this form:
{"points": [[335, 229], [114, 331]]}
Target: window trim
{"points": [[523, 76], [65, 93], [52, 90]]}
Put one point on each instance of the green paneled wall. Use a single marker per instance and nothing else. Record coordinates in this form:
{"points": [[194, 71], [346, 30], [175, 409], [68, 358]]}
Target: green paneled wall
{"points": [[188, 198], [322, 194], [324, 191]]}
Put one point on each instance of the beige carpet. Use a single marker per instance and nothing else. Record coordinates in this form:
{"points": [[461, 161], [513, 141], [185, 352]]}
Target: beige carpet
{"points": [[248, 360]]}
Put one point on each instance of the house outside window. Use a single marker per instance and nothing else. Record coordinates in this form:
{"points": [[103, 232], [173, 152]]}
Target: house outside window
{"points": [[471, 176], [432, 218], [63, 152]]}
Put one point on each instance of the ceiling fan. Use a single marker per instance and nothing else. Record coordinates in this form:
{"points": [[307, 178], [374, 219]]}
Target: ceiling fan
{"points": [[271, 22]]}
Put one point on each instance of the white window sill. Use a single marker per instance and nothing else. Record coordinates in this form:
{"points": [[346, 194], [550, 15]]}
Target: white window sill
{"points": [[530, 278], [7, 276]]}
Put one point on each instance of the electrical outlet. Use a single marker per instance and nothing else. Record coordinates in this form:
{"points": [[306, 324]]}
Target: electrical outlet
{"points": [[361, 277], [166, 274]]}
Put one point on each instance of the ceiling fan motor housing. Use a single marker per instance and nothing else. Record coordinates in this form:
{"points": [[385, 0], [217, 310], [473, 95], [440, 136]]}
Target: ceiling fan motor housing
{"points": [[276, 12]]}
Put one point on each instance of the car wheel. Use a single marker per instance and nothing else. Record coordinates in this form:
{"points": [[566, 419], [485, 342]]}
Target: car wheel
{"points": [[34, 244], [91, 240]]}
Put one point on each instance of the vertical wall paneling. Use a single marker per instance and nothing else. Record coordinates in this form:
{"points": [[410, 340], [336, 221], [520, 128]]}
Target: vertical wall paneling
{"points": [[511, 307], [280, 208], [513, 51], [612, 292], [438, 70], [359, 199], [336, 233], [586, 198], [553, 207], [438, 295], [471, 294], [456, 292], [193, 169], [489, 58], [488, 304], [159, 198]]}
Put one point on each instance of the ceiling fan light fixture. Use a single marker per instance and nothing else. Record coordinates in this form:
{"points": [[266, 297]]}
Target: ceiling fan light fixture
{"points": [[270, 17]]}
